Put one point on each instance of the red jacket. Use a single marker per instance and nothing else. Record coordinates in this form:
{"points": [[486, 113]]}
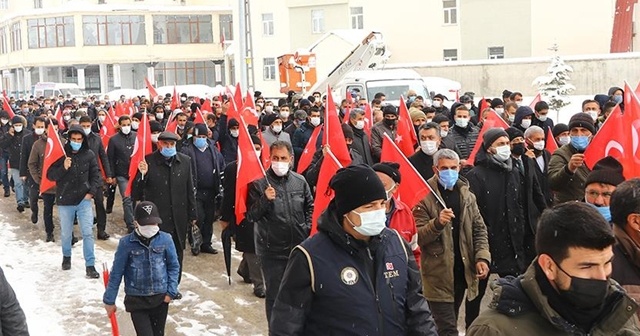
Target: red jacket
{"points": [[403, 222]]}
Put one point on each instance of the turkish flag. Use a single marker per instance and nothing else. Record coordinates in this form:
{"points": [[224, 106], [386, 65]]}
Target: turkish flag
{"points": [[324, 194], [265, 153], [551, 144], [249, 170], [175, 101], [107, 130], [333, 135], [6, 106], [536, 99], [60, 118], [199, 119], [206, 107], [53, 152], [406, 137], [483, 105], [618, 137], [152, 91], [237, 96], [232, 111], [413, 187], [368, 120], [309, 151], [493, 120], [120, 109], [141, 149], [347, 110]]}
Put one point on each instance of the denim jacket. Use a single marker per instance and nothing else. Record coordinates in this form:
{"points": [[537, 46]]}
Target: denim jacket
{"points": [[147, 270]]}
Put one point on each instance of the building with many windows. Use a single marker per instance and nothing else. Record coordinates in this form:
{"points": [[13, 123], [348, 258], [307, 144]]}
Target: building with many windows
{"points": [[108, 44], [434, 30]]}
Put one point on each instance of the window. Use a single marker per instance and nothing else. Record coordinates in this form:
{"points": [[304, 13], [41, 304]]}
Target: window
{"points": [[37, 4], [317, 21], [4, 4], [450, 12], [357, 17], [178, 29], [3, 40], [267, 24], [496, 52], [269, 68], [170, 73], [51, 32], [226, 26], [113, 30], [16, 37], [451, 54]]}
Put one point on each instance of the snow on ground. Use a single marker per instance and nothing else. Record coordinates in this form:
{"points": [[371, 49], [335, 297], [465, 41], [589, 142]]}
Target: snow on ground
{"points": [[60, 302]]}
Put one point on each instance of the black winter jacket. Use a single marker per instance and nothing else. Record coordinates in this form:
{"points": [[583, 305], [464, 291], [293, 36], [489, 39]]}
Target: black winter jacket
{"points": [[83, 177], [300, 138], [362, 145], [228, 144], [119, 153], [27, 144], [95, 144], [337, 285], [13, 145], [189, 149], [12, 319], [285, 222]]}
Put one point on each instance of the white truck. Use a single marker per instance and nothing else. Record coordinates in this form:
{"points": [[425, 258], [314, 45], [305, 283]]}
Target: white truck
{"points": [[393, 83], [50, 90]]}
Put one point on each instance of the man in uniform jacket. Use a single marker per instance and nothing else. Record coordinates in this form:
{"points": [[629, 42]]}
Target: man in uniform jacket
{"points": [[355, 276], [164, 178]]}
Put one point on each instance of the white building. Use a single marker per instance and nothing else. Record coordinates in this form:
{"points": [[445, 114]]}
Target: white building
{"points": [[432, 30], [108, 44]]}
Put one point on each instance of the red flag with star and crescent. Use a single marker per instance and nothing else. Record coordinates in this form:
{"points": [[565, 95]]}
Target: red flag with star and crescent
{"points": [[53, 151], [309, 151], [333, 135], [324, 194], [406, 138], [142, 148]]}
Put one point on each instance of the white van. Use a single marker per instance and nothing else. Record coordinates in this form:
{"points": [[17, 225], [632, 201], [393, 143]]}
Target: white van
{"points": [[50, 90], [393, 83]]}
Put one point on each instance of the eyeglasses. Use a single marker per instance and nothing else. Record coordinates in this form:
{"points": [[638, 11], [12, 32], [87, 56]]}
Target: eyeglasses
{"points": [[595, 194]]}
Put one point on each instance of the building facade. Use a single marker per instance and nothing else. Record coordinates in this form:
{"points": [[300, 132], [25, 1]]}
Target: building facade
{"points": [[434, 30], [109, 44]]}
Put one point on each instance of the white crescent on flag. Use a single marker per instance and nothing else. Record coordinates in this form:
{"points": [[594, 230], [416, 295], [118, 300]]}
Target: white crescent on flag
{"points": [[135, 148], [50, 147]]}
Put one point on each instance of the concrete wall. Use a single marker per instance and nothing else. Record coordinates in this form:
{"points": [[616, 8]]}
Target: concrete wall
{"points": [[591, 75]]}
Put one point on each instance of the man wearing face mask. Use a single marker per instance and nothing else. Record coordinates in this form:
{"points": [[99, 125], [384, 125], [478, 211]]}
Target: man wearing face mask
{"points": [[438, 104], [4, 154], [422, 160], [399, 216], [274, 132], [77, 178], [509, 115], [360, 138], [29, 182], [35, 164], [541, 117], [303, 134], [12, 143], [387, 125], [119, 155], [155, 128], [567, 171], [465, 135], [567, 290], [299, 117], [523, 119], [96, 126], [454, 243], [280, 204], [534, 139], [229, 132], [561, 134], [165, 178], [602, 181], [207, 165], [355, 268]]}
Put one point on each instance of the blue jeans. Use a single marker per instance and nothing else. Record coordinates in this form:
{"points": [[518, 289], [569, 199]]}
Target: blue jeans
{"points": [[22, 193], [67, 213], [127, 203], [4, 177]]}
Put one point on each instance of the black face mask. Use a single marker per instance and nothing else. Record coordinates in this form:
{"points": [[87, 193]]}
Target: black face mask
{"points": [[390, 122], [518, 149], [584, 293]]}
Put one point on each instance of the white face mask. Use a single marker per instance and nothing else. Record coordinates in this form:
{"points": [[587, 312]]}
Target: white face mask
{"points": [[429, 147], [159, 116], [315, 121], [4, 121], [525, 123], [371, 222], [102, 118], [539, 145], [277, 128], [39, 131], [234, 133], [519, 103], [499, 110], [512, 117], [564, 140], [135, 125], [125, 129], [87, 131], [66, 117], [148, 231], [437, 103], [468, 106], [503, 153], [359, 124], [284, 115], [593, 114], [154, 137], [258, 153], [17, 128], [542, 118], [268, 109], [280, 168], [462, 122], [443, 133]]}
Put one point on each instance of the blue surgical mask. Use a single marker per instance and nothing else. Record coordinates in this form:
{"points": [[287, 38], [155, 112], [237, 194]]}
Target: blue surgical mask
{"points": [[75, 145], [168, 151], [580, 142], [200, 142], [617, 99], [448, 178], [605, 211]]}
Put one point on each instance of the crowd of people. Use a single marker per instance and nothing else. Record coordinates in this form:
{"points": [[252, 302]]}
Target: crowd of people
{"points": [[544, 222]]}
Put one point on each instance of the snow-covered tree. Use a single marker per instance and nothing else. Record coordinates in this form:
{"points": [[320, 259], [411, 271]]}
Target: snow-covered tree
{"points": [[554, 86]]}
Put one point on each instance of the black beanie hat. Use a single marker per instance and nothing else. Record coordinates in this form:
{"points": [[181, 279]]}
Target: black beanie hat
{"points": [[440, 118], [559, 128], [17, 120], [355, 186], [200, 129], [608, 171], [391, 169], [233, 122], [255, 140], [582, 119], [492, 135], [513, 133], [495, 102], [268, 119], [155, 126], [389, 109]]}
